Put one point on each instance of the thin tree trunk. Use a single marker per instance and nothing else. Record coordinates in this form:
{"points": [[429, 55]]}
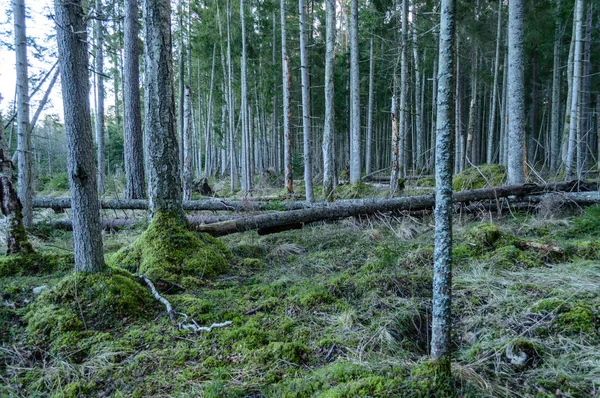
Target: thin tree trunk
{"points": [[403, 106], [246, 147], [570, 63], [287, 109], [575, 94], [99, 71], [418, 132], [369, 142], [25, 176], [492, 124], [72, 42], [441, 323], [305, 104], [555, 160], [355, 159], [188, 155], [516, 105], [329, 126]]}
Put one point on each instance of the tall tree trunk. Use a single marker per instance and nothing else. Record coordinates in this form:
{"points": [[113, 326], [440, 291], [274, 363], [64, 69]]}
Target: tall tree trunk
{"points": [[555, 160], [231, 107], [492, 124], [369, 140], [403, 110], [516, 105], [442, 257], [575, 94], [162, 157], [355, 159], [305, 104], [329, 125], [133, 139], [246, 147], [72, 42], [181, 85], [188, 155], [25, 176], [418, 132], [584, 106], [99, 72], [566, 120], [287, 108]]}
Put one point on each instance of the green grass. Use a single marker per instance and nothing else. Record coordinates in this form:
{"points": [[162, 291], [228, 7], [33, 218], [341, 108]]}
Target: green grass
{"points": [[333, 310]]}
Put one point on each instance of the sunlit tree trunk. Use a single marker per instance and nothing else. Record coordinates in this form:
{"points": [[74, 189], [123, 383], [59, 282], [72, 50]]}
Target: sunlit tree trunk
{"points": [[305, 104], [575, 94]]}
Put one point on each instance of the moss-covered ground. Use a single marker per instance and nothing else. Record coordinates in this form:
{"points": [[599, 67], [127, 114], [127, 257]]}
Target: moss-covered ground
{"points": [[332, 310]]}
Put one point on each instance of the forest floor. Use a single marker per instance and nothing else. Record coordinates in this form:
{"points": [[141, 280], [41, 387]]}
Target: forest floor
{"points": [[333, 310]]}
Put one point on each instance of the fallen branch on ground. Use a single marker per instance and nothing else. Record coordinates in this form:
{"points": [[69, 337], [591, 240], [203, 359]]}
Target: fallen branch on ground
{"points": [[197, 328], [159, 297]]}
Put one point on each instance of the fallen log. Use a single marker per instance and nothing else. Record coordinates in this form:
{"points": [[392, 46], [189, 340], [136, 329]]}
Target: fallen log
{"points": [[349, 208], [116, 224]]}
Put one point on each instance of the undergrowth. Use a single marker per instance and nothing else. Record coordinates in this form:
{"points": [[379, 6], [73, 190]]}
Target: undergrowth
{"points": [[333, 310]]}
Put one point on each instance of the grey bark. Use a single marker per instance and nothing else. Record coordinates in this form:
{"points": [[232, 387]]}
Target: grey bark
{"points": [[403, 106], [99, 74], [419, 163], [306, 123], [25, 175], [566, 120], [442, 264], [133, 139], [575, 91], [369, 140], [43, 101], [355, 158], [230, 110], [188, 154], [71, 37], [162, 158], [329, 125], [555, 160], [516, 100], [287, 109], [181, 86], [492, 122], [246, 147]]}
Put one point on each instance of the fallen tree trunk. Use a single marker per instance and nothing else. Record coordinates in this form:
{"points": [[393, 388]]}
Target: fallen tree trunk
{"points": [[116, 224], [275, 222]]}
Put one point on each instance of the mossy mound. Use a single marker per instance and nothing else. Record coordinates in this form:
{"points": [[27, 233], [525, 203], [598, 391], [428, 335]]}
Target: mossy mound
{"points": [[354, 191], [84, 302], [486, 175], [169, 254], [511, 257], [586, 224], [579, 318], [34, 263], [426, 182]]}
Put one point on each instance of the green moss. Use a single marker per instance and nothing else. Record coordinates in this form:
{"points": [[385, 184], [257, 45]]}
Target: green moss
{"points": [[587, 224], [484, 236], [371, 386], [354, 191], [578, 319], [486, 175], [425, 182], [252, 263], [510, 257], [289, 352], [549, 305], [314, 296], [433, 378], [86, 301], [35, 263], [589, 250], [168, 253]]}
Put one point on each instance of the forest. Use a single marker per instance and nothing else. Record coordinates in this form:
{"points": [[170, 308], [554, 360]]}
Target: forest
{"points": [[217, 198]]}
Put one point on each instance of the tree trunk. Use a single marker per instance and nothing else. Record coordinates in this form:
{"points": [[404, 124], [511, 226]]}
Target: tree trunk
{"points": [[329, 125], [164, 182], [403, 106], [25, 177], [355, 159], [575, 93], [287, 108], [442, 257], [418, 132], [555, 160], [369, 141], [306, 122], [72, 42], [188, 155], [133, 139], [492, 124], [99, 73], [516, 105]]}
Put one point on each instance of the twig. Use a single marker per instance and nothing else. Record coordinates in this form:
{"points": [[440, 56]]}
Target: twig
{"points": [[159, 297], [197, 328]]}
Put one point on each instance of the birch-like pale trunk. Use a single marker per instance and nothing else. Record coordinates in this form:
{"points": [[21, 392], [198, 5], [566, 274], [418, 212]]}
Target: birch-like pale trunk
{"points": [[369, 141], [246, 147], [555, 159], [287, 109], [180, 84], [25, 175], [355, 158], [230, 103], [306, 104], [566, 120], [583, 135], [492, 122], [441, 322], [575, 92], [99, 120], [209, 145], [419, 115], [162, 157], [329, 124], [516, 93], [71, 37], [503, 114]]}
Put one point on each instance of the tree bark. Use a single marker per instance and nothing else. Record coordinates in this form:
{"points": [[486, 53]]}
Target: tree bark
{"points": [[355, 158], [369, 140], [164, 182], [329, 125], [188, 154], [442, 257], [71, 37], [133, 139], [555, 159], [306, 123], [516, 99], [287, 108], [99, 74], [25, 176], [575, 94], [492, 124]]}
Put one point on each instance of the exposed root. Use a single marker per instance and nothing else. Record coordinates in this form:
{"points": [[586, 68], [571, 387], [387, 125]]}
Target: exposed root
{"points": [[159, 297]]}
